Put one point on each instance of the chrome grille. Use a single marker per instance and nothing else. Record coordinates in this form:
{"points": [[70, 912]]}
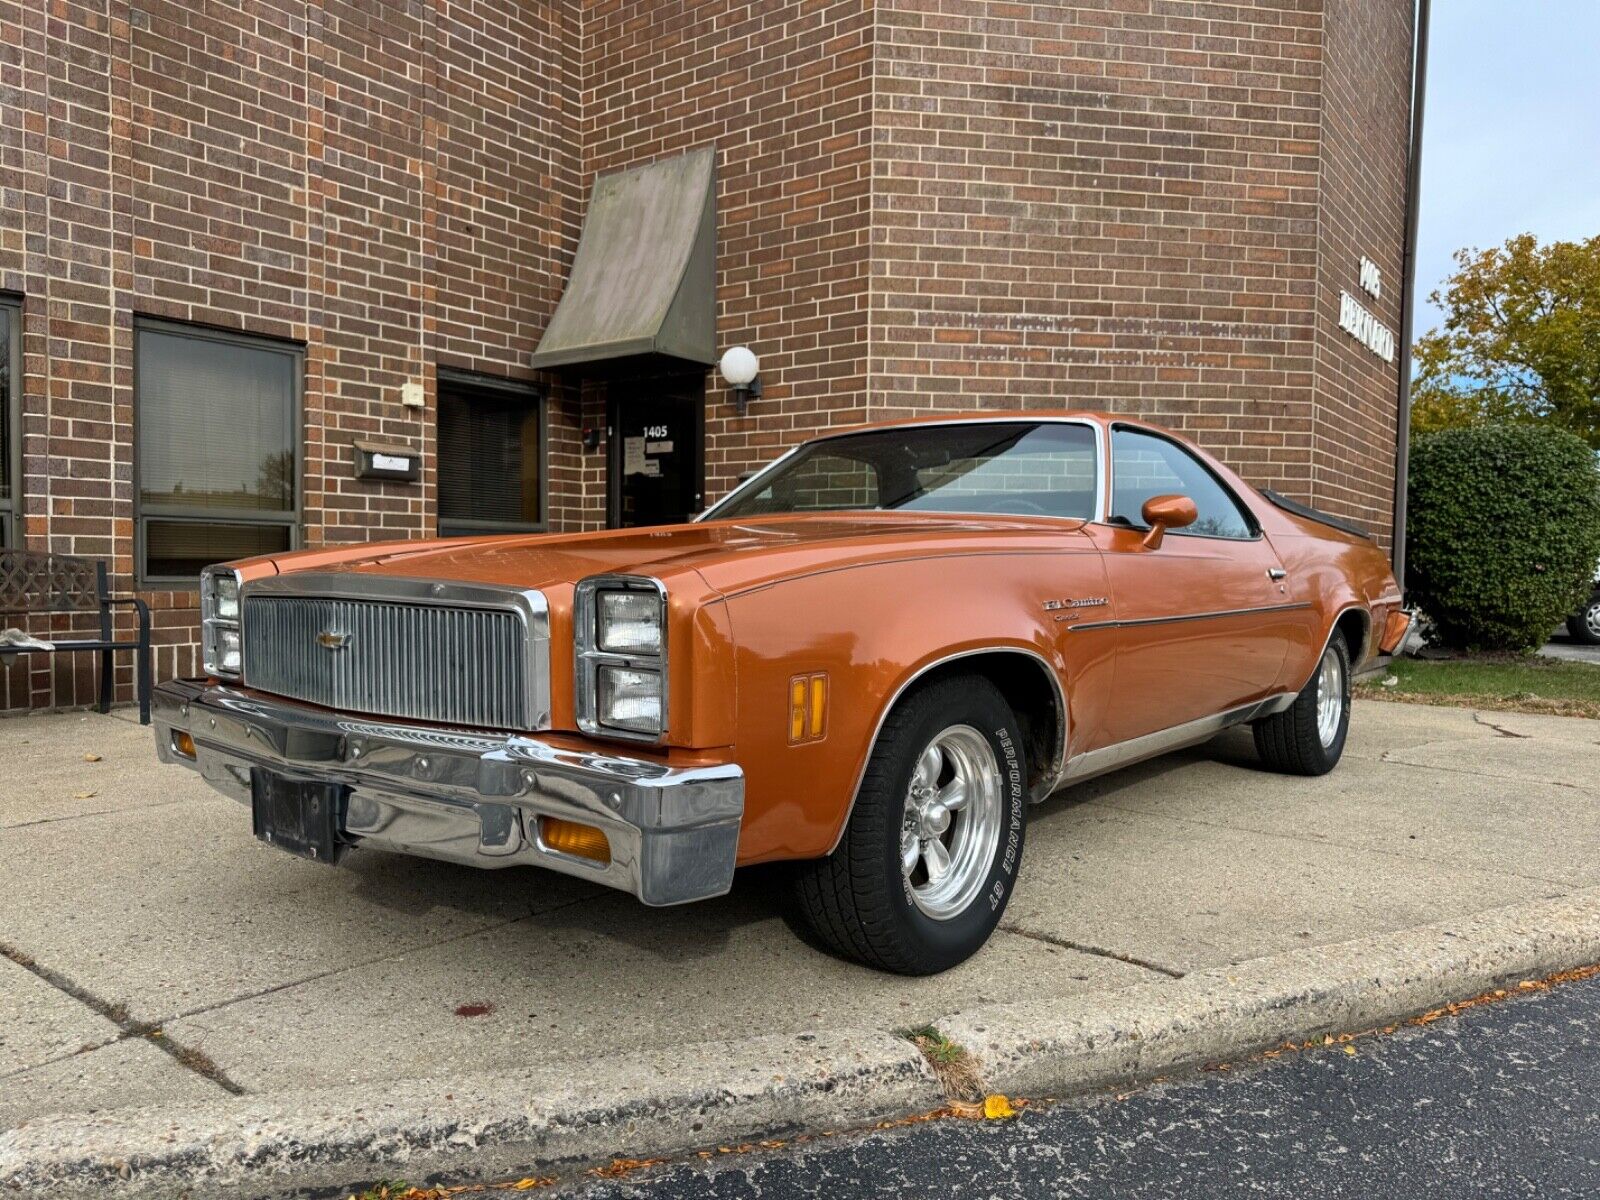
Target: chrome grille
{"points": [[448, 665]]}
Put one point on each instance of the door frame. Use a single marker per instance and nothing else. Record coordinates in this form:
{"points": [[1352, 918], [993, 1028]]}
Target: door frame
{"points": [[693, 395]]}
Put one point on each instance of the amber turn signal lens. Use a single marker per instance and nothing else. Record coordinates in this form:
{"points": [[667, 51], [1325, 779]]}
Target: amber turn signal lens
{"points": [[569, 837], [182, 743]]}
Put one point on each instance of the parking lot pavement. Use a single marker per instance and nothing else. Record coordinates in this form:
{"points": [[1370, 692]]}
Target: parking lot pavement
{"points": [[1563, 645], [154, 950]]}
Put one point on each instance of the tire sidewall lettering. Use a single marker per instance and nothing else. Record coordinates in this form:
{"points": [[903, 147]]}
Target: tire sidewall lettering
{"points": [[1014, 779]]}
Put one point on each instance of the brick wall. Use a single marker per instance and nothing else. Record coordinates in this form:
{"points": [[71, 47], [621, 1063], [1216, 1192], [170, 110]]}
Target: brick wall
{"points": [[785, 92], [1102, 207], [392, 183], [1147, 205], [1365, 127]]}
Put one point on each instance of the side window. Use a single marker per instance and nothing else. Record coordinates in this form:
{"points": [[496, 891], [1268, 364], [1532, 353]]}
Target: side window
{"points": [[822, 482], [1143, 466]]}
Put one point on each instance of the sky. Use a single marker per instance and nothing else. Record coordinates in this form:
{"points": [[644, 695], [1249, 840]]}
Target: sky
{"points": [[1511, 131]]}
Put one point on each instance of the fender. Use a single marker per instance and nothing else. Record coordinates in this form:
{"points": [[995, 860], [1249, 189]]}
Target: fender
{"points": [[1048, 783]]}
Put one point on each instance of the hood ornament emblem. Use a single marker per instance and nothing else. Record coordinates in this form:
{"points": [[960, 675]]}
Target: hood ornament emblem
{"points": [[333, 639]]}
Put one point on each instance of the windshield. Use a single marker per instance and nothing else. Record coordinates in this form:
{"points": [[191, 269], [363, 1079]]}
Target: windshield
{"points": [[1032, 468]]}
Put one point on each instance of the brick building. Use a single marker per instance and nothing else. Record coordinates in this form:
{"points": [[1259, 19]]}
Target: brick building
{"points": [[261, 262]]}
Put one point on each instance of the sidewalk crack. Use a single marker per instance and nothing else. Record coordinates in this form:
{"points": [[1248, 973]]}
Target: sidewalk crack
{"points": [[188, 1057], [1098, 951], [358, 964], [1500, 730]]}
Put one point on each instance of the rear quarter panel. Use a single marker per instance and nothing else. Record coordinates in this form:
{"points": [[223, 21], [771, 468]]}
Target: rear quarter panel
{"points": [[1335, 572]]}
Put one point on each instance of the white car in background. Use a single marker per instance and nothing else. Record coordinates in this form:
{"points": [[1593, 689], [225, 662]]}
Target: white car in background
{"points": [[1584, 625]]}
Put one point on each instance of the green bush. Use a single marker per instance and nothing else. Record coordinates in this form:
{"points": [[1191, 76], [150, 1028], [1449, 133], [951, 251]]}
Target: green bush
{"points": [[1502, 533]]}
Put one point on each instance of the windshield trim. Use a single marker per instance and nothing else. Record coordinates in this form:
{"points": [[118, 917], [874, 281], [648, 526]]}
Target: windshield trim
{"points": [[756, 481]]}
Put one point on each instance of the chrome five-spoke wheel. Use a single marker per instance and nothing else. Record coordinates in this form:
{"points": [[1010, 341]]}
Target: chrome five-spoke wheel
{"points": [[1307, 738], [929, 857], [952, 822], [1330, 696]]}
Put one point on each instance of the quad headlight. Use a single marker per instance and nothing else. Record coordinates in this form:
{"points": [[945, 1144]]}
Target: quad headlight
{"points": [[628, 622], [627, 698], [621, 657], [219, 622]]}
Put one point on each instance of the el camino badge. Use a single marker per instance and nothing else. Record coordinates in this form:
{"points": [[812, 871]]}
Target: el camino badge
{"points": [[333, 639], [1069, 605]]}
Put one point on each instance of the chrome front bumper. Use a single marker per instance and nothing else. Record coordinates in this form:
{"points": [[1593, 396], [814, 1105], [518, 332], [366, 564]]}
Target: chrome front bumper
{"points": [[472, 798]]}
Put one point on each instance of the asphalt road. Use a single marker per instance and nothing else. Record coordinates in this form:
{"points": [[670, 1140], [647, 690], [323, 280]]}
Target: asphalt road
{"points": [[1503, 1100]]}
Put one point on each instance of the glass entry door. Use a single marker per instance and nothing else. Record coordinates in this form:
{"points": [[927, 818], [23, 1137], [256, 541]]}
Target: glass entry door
{"points": [[657, 468]]}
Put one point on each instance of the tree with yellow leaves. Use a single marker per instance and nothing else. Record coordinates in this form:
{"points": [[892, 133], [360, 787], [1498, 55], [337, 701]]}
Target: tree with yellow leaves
{"points": [[1520, 340]]}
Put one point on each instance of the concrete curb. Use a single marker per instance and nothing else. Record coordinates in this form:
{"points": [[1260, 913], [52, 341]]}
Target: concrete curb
{"points": [[1083, 1043], [716, 1093], [491, 1126]]}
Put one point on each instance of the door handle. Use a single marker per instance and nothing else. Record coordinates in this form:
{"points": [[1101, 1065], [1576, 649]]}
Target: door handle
{"points": [[1276, 573]]}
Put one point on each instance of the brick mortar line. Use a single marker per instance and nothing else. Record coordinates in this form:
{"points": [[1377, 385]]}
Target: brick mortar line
{"points": [[186, 1057]]}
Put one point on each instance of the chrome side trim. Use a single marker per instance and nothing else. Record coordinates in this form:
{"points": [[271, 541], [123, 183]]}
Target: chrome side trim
{"points": [[1102, 462], [1204, 616], [1124, 754], [587, 656], [1063, 718], [472, 798], [528, 604]]}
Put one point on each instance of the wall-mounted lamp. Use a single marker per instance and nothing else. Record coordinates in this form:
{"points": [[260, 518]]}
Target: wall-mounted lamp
{"points": [[740, 367]]}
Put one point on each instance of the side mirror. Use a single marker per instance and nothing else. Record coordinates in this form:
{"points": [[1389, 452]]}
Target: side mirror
{"points": [[1162, 513]]}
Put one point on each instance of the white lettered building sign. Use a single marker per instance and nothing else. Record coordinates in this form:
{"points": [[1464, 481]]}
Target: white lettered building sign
{"points": [[1357, 320]]}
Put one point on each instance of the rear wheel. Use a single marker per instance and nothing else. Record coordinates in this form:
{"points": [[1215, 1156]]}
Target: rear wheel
{"points": [[1584, 626], [927, 862], [1308, 737]]}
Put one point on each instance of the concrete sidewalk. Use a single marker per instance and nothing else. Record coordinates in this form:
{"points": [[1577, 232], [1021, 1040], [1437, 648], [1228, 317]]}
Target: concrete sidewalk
{"points": [[137, 901]]}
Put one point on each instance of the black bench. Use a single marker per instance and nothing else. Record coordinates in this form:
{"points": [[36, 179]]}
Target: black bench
{"points": [[33, 584]]}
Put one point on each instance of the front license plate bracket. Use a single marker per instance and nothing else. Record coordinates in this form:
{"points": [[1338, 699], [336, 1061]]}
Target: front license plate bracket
{"points": [[303, 816]]}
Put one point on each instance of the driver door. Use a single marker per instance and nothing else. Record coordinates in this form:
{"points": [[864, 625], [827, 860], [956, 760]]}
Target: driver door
{"points": [[1201, 623]]}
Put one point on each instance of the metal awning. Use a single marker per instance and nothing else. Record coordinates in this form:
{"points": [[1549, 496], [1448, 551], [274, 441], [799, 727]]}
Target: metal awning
{"points": [[644, 279]]}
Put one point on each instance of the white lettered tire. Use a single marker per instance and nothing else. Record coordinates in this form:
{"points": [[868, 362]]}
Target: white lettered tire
{"points": [[931, 852]]}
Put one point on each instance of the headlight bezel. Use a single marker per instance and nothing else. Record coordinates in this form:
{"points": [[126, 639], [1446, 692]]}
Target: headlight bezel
{"points": [[591, 655], [220, 589]]}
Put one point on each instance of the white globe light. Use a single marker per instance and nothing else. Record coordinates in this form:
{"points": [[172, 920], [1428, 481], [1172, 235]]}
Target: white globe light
{"points": [[740, 366]]}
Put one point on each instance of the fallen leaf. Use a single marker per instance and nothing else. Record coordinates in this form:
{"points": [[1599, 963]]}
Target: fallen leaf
{"points": [[1349, 1049], [84, 795], [997, 1108], [91, 758]]}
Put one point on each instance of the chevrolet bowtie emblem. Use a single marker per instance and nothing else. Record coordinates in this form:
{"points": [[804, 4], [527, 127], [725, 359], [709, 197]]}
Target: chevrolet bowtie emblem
{"points": [[333, 639]]}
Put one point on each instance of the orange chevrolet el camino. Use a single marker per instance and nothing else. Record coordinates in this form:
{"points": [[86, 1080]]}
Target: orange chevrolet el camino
{"points": [[867, 661]]}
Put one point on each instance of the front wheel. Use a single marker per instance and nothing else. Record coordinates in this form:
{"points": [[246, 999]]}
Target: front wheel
{"points": [[1584, 626], [929, 857], [1308, 737]]}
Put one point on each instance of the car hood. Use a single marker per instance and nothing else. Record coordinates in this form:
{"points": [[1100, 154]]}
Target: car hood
{"points": [[729, 555]]}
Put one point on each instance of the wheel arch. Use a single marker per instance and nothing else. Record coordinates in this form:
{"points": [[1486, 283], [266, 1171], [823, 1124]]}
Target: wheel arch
{"points": [[1354, 624], [1029, 683]]}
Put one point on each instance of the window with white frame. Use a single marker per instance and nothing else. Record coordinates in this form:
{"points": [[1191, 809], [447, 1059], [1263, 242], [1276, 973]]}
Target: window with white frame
{"points": [[217, 431]]}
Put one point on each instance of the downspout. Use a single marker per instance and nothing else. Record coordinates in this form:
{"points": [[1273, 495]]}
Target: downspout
{"points": [[1408, 292]]}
